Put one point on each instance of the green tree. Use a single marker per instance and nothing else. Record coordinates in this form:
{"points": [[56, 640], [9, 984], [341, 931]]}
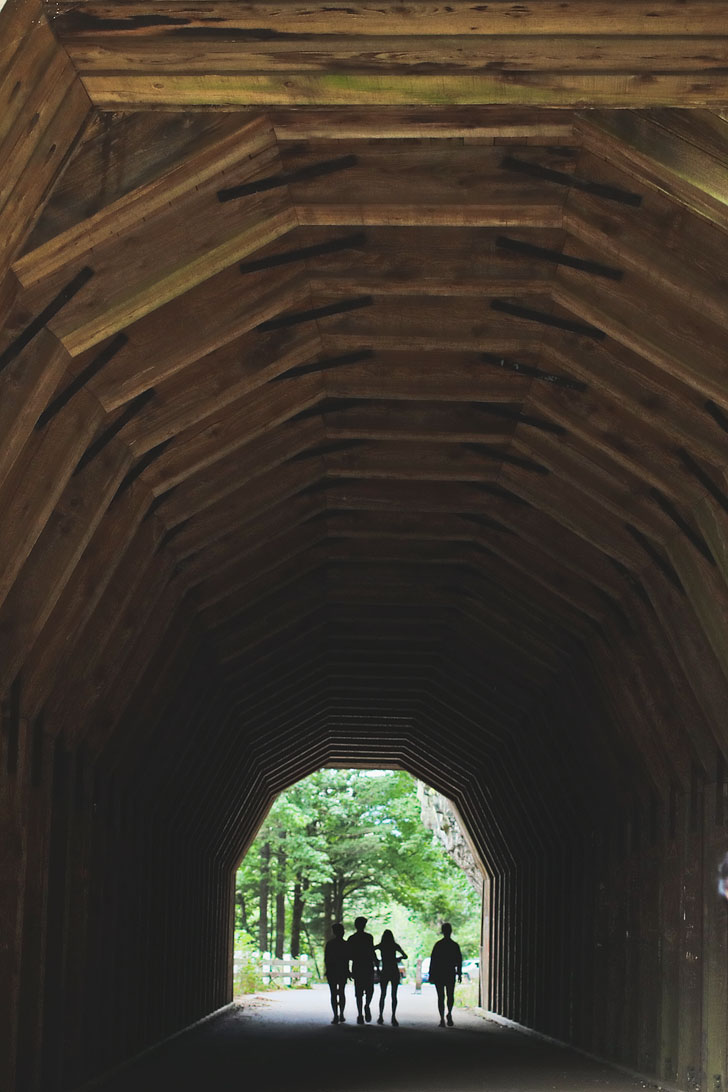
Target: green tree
{"points": [[344, 842]]}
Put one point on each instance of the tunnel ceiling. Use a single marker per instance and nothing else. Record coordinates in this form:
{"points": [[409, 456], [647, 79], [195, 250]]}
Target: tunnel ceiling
{"points": [[354, 419]]}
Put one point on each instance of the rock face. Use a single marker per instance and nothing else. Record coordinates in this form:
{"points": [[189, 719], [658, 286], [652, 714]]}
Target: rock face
{"points": [[439, 817]]}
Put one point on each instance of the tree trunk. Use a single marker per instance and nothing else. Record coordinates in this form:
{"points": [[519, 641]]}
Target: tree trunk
{"points": [[338, 901], [281, 902], [327, 910], [263, 897], [297, 914]]}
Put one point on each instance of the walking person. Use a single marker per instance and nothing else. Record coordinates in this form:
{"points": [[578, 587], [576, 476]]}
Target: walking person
{"points": [[336, 969], [389, 974], [446, 964], [363, 964]]}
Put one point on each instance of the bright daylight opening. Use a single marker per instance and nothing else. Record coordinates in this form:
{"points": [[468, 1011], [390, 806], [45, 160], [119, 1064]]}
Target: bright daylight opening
{"points": [[345, 843]]}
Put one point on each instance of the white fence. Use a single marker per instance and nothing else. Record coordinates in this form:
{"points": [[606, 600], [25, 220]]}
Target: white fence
{"points": [[288, 971]]}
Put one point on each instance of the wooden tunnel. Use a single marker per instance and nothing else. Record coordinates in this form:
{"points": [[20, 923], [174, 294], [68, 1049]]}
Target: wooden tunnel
{"points": [[363, 401]]}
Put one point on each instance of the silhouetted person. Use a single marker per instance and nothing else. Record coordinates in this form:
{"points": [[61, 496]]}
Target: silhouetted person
{"points": [[363, 963], [446, 963], [389, 973], [336, 967]]}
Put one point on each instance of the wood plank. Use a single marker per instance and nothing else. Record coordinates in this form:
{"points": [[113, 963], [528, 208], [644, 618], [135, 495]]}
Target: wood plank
{"points": [[122, 153], [619, 492], [229, 158], [393, 122], [55, 646], [55, 555], [684, 345], [180, 333], [367, 53], [567, 90], [118, 309], [585, 519], [684, 172], [26, 386], [547, 17], [37, 479], [219, 380], [137, 583], [612, 436], [637, 386], [245, 465]]}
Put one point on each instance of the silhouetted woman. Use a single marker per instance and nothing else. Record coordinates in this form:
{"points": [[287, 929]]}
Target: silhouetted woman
{"points": [[336, 966], [389, 972]]}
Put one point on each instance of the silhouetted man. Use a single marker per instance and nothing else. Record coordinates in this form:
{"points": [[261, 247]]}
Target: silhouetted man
{"points": [[446, 963], [363, 963], [336, 967]]}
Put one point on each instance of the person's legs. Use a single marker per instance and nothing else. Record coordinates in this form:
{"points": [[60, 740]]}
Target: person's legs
{"points": [[341, 990], [450, 1000], [333, 991], [359, 987], [382, 999], [441, 1002], [368, 1000], [395, 987]]}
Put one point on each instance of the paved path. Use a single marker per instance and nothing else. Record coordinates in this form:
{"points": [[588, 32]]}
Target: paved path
{"points": [[285, 1041]]}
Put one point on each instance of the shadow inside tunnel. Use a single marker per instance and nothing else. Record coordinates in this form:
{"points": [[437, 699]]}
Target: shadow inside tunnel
{"points": [[285, 1041]]}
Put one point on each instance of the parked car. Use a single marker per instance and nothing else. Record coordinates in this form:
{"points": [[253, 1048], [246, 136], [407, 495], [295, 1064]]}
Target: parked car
{"points": [[471, 969]]}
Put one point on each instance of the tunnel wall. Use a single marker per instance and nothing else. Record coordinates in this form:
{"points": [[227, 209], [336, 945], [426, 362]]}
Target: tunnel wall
{"points": [[135, 767]]}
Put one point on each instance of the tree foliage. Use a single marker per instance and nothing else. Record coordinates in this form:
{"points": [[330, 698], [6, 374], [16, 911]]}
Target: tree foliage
{"points": [[345, 842]]}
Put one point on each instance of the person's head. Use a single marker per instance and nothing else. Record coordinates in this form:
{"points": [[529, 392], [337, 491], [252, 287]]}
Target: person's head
{"points": [[338, 930], [387, 937], [446, 929], [359, 924]]}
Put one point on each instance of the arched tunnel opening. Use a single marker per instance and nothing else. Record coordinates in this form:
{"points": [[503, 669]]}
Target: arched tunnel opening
{"points": [[363, 403], [344, 843]]}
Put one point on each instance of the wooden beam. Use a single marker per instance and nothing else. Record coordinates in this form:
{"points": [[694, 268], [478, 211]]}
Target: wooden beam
{"points": [[642, 146]]}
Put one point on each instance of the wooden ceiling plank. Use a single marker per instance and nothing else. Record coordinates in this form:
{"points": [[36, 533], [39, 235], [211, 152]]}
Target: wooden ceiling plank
{"points": [[243, 466], [534, 564], [216, 382], [37, 479], [660, 241], [71, 704], [657, 158], [150, 630], [402, 461], [235, 157], [210, 440], [30, 57], [393, 122], [451, 422], [183, 332], [55, 555], [26, 386], [707, 592], [122, 152], [611, 436], [115, 312], [55, 645], [637, 387], [162, 91], [31, 167], [620, 492], [366, 54], [96, 20], [675, 344], [212, 558], [586, 520]]}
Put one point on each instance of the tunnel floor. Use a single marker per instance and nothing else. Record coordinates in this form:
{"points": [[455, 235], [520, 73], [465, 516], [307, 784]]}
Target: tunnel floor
{"points": [[285, 1041]]}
